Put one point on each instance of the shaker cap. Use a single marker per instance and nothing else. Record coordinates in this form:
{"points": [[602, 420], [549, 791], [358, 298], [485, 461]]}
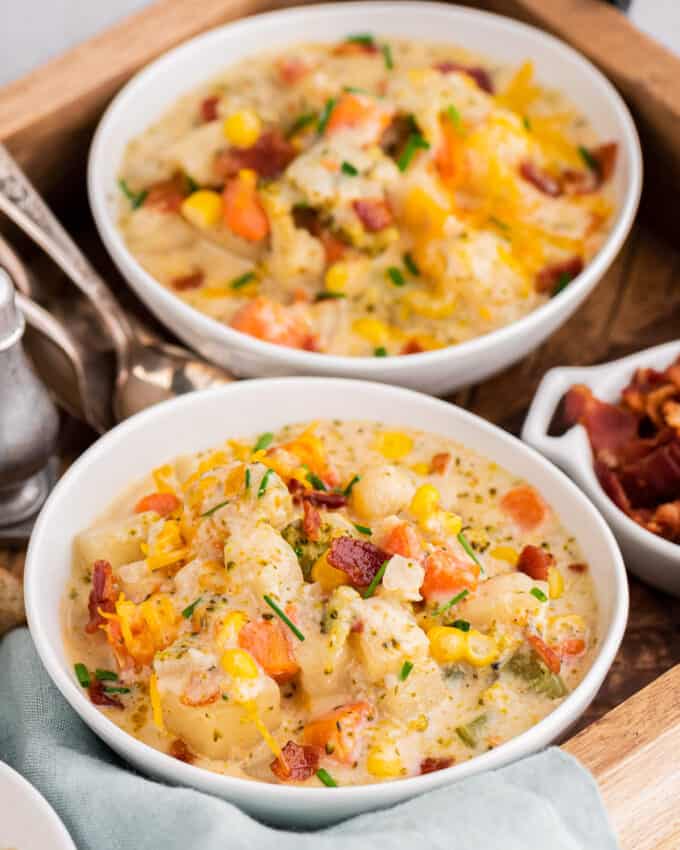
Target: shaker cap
{"points": [[11, 318]]}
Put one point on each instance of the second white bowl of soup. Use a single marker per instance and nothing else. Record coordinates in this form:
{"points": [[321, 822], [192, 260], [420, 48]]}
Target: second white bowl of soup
{"points": [[316, 618], [371, 200]]}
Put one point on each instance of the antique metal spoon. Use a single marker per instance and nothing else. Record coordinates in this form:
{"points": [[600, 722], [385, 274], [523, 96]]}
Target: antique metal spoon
{"points": [[148, 371]]}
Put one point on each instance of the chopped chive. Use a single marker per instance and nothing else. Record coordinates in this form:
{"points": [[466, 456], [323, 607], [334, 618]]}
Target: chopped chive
{"points": [[329, 296], [281, 615], [406, 668], [82, 674], [105, 675], [363, 529], [328, 107], [415, 142], [453, 601], [468, 732], [387, 56], [355, 90], [465, 543], [225, 697], [589, 159], [189, 610], [192, 185], [116, 690], [501, 224], [262, 489], [348, 488], [380, 351], [247, 479], [563, 280], [326, 778], [216, 507], [136, 198], [538, 593], [461, 625], [364, 38], [315, 481], [396, 276], [301, 122], [370, 590], [348, 168], [527, 122], [411, 265], [263, 442], [242, 280], [454, 117]]}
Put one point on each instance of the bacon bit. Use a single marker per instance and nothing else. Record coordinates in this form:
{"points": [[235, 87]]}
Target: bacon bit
{"points": [[180, 751], [360, 559], [403, 540], [480, 75], [267, 641], [535, 562], [355, 48], [605, 156], [583, 182], [166, 196], [268, 157], [374, 213], [188, 281], [297, 762], [551, 276], [609, 427], [308, 219], [412, 347], [357, 627], [209, 108], [98, 695], [524, 506], [578, 568], [333, 246], [439, 463], [549, 657], [102, 596], [666, 521], [319, 498], [291, 69], [311, 520], [430, 765], [161, 503], [540, 179]]}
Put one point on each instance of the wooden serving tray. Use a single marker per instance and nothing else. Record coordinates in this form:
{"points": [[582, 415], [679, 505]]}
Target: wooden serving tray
{"points": [[47, 119]]}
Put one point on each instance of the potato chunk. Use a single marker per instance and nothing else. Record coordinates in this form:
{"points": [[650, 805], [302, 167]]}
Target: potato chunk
{"points": [[389, 636], [117, 541], [382, 490], [505, 599]]}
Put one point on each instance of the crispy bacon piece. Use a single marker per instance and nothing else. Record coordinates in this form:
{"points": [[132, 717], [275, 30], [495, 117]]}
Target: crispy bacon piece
{"points": [[585, 181], [578, 567], [319, 498], [360, 559], [480, 75], [555, 274], [547, 655], [297, 763], [307, 218], [180, 751], [209, 108], [412, 347], [535, 562], [430, 765], [268, 157], [311, 520], [102, 596], [167, 196], [98, 695], [540, 179], [188, 281], [374, 213], [655, 478], [439, 463], [666, 521], [609, 427]]}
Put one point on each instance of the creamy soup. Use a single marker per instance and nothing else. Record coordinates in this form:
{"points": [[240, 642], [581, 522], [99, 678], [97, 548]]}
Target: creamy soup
{"points": [[369, 197], [336, 603]]}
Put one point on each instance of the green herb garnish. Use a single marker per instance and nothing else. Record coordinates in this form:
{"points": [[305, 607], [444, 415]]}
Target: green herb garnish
{"points": [[116, 690], [282, 616], [329, 296], [326, 778], [242, 280], [562, 281], [349, 169], [380, 351], [349, 487], [589, 159], [406, 668], [538, 594], [363, 529], [189, 610], [461, 625], [263, 442], [527, 123], [216, 507], [192, 185], [315, 481], [247, 479], [82, 674], [465, 543], [500, 224], [370, 590], [301, 122], [364, 38], [262, 489], [328, 107], [453, 601], [416, 141], [105, 675], [136, 198], [396, 276], [468, 732], [411, 265], [454, 117], [387, 56]]}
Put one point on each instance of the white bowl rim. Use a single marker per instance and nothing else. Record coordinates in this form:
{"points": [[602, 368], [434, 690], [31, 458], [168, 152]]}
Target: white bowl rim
{"points": [[162, 764], [295, 358]]}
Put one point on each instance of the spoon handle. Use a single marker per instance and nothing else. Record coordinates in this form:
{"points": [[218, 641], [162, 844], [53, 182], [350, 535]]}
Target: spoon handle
{"points": [[20, 201]]}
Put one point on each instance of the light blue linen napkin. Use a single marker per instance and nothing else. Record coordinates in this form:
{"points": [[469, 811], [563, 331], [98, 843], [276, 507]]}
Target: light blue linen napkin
{"points": [[546, 802]]}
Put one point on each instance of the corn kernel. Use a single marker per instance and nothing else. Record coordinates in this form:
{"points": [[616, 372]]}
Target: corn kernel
{"points": [[425, 501], [505, 553], [419, 724], [229, 628], [203, 208], [393, 445], [431, 306], [555, 583], [373, 330], [337, 277], [239, 664], [423, 214], [327, 576], [451, 523], [480, 649], [447, 645], [242, 128], [421, 468], [384, 765]]}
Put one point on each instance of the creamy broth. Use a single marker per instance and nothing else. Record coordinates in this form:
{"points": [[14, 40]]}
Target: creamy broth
{"points": [[367, 198], [403, 559]]}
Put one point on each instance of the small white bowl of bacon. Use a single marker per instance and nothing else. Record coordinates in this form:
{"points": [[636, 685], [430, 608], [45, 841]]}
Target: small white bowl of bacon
{"points": [[624, 451]]}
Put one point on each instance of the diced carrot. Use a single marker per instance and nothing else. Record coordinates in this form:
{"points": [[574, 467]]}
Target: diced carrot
{"points": [[268, 643], [353, 111], [338, 732], [439, 463], [525, 507], [161, 503], [573, 646], [243, 212], [266, 319], [446, 575], [335, 248], [402, 539], [450, 155], [549, 657]]}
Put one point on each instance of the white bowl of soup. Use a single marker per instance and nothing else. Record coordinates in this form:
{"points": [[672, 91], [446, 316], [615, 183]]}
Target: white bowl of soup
{"points": [[314, 618], [344, 190]]}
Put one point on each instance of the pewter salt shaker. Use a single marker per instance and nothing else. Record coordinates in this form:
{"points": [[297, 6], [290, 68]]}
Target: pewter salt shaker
{"points": [[28, 426]]}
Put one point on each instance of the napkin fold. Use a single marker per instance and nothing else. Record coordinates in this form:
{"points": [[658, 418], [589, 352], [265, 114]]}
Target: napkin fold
{"points": [[545, 802]]}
